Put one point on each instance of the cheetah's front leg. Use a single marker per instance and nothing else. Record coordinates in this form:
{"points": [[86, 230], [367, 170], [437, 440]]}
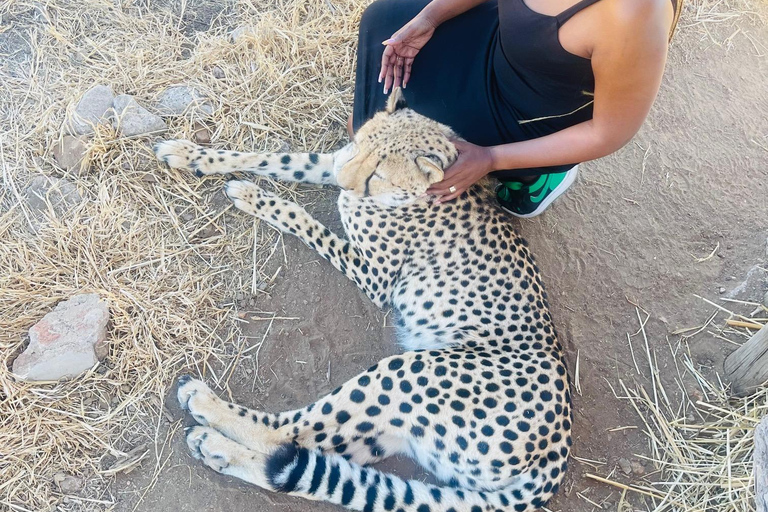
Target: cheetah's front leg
{"points": [[291, 218], [317, 168]]}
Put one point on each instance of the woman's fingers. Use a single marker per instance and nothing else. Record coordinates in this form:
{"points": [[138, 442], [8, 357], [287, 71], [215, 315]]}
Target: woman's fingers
{"points": [[461, 145], [453, 191], [388, 52], [451, 179], [407, 73], [389, 76], [398, 72], [452, 196]]}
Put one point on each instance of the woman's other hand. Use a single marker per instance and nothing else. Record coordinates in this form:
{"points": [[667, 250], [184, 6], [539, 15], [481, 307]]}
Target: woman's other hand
{"points": [[474, 163], [400, 51]]}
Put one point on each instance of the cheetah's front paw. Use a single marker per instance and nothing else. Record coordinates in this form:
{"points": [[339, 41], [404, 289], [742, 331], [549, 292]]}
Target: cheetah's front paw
{"points": [[247, 196], [178, 154]]}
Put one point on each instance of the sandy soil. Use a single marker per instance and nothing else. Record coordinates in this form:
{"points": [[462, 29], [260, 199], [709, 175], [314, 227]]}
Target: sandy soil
{"points": [[630, 231]]}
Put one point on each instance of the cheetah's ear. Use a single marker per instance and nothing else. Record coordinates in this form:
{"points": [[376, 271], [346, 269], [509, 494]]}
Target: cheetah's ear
{"points": [[431, 167], [396, 101]]}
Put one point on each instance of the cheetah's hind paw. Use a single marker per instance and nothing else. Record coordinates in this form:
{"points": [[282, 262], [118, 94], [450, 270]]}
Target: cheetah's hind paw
{"points": [[226, 456]]}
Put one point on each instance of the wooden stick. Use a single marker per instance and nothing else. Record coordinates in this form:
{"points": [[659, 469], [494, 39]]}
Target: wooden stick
{"points": [[637, 490], [739, 323], [760, 458], [747, 367]]}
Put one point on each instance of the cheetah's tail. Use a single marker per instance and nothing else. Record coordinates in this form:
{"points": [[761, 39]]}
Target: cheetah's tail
{"points": [[332, 478]]}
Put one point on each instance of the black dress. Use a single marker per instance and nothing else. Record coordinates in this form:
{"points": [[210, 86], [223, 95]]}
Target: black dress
{"points": [[495, 74]]}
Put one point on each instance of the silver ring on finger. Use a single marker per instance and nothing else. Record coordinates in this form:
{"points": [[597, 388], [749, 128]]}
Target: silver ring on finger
{"points": [[452, 189]]}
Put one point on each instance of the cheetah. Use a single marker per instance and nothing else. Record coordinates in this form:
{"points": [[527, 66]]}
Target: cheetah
{"points": [[480, 397]]}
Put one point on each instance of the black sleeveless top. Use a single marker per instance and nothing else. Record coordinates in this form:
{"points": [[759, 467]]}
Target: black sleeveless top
{"points": [[536, 75]]}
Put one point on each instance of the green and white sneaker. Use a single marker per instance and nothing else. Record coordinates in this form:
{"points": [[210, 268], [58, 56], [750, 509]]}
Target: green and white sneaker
{"points": [[530, 200]]}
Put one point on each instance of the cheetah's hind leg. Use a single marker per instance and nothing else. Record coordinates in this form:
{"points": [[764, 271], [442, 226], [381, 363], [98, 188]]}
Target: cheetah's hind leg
{"points": [[316, 168]]}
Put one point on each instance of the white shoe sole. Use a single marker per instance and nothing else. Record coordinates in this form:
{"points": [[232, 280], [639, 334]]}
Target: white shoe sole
{"points": [[570, 177]]}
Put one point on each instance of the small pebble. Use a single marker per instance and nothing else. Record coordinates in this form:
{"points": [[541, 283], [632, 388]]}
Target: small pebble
{"points": [[67, 483], [178, 100], [765, 299], [69, 153], [722, 289], [625, 466], [131, 119], [637, 468], [201, 134], [241, 315], [218, 72], [91, 110]]}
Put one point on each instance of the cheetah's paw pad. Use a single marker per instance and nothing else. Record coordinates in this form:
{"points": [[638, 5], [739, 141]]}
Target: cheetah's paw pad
{"points": [[215, 450], [245, 195], [193, 395], [178, 154], [226, 456]]}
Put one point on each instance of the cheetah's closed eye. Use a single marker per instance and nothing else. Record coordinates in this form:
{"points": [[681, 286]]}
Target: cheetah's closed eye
{"points": [[480, 397]]}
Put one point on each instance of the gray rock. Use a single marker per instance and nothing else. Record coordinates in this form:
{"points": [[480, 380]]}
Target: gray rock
{"points": [[242, 33], [765, 299], [753, 287], [69, 152], [177, 100], [201, 135], [67, 341], [47, 196], [132, 119], [68, 484], [92, 109], [625, 466]]}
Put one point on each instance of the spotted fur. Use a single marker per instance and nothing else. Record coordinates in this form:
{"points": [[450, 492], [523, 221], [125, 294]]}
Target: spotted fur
{"points": [[480, 397]]}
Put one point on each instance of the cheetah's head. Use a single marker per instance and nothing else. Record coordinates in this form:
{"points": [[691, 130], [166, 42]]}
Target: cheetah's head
{"points": [[396, 155]]}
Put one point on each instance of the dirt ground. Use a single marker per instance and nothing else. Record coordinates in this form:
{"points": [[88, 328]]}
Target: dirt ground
{"points": [[637, 228]]}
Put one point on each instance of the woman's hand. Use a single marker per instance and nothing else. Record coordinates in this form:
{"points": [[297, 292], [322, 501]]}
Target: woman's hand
{"points": [[473, 164], [400, 51]]}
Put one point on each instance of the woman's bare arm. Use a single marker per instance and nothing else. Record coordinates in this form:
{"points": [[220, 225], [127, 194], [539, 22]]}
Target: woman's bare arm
{"points": [[440, 11], [628, 67]]}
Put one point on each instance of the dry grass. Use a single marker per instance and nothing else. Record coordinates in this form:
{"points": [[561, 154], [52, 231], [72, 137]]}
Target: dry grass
{"points": [[160, 246], [163, 248], [700, 445]]}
